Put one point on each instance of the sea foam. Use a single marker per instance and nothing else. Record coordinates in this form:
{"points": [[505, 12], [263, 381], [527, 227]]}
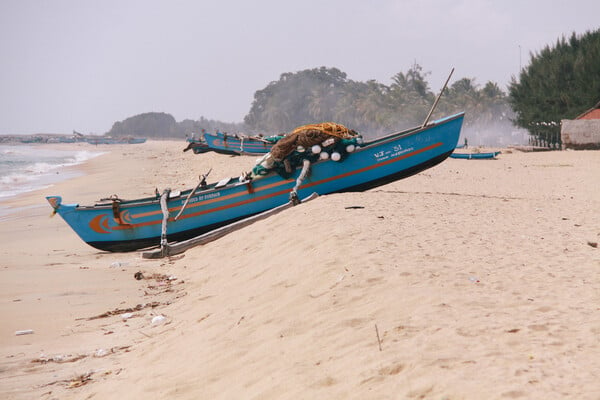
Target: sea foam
{"points": [[26, 168]]}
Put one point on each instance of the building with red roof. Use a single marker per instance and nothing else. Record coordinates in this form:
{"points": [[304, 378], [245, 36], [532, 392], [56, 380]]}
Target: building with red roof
{"points": [[583, 132]]}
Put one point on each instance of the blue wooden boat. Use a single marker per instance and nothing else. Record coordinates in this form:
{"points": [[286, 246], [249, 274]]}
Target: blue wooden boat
{"points": [[475, 156], [120, 225], [239, 144], [133, 140], [100, 140]]}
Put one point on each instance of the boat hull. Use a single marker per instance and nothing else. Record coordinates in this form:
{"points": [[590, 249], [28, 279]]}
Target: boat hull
{"points": [[133, 225], [197, 146]]}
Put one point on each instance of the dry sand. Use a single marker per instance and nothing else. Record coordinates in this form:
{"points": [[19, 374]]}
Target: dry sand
{"points": [[471, 280]]}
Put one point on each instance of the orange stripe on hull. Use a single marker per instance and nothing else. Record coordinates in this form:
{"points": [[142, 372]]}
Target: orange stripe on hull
{"points": [[308, 185], [216, 199], [225, 207]]}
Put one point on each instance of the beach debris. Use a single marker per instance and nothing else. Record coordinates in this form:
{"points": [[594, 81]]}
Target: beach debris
{"points": [[119, 311], [59, 358], [593, 244], [69, 358], [353, 207], [474, 279], [101, 353], [138, 276], [24, 332], [126, 316], [118, 264], [378, 338], [158, 320], [203, 318], [164, 283], [80, 380], [74, 382], [162, 277]]}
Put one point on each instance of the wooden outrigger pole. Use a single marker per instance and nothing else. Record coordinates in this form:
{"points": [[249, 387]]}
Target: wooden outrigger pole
{"points": [[437, 99]]}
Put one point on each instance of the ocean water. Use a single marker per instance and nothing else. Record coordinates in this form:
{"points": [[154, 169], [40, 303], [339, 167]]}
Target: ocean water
{"points": [[26, 168]]}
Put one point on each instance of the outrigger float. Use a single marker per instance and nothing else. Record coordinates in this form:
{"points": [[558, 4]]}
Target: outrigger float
{"points": [[340, 163]]}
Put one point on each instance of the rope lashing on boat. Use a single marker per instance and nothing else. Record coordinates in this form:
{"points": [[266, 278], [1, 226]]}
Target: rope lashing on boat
{"points": [[294, 193], [246, 177], [116, 211], [116, 201], [164, 245]]}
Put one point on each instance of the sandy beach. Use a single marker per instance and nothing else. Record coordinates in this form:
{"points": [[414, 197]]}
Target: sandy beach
{"points": [[471, 280]]}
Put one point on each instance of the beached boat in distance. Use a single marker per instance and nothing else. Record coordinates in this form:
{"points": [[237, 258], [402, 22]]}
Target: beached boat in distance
{"points": [[476, 156], [230, 144], [120, 225], [239, 144], [198, 146], [110, 140]]}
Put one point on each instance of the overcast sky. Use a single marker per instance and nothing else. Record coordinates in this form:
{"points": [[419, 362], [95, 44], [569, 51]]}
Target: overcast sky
{"points": [[83, 65]]}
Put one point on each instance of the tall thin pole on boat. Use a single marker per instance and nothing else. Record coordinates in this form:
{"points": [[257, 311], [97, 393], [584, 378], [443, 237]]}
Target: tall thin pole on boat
{"points": [[437, 99]]}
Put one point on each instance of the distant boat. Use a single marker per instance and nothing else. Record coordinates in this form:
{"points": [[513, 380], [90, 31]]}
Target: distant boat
{"points": [[475, 156], [340, 165], [111, 140], [530, 148], [134, 140], [32, 139], [100, 140], [239, 144], [198, 146]]}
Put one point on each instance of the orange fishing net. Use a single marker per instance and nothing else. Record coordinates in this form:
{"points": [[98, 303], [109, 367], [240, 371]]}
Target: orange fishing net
{"points": [[308, 135], [330, 128]]}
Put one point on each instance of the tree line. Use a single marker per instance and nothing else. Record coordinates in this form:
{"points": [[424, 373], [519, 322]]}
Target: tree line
{"points": [[372, 108], [326, 94], [559, 83], [160, 125]]}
